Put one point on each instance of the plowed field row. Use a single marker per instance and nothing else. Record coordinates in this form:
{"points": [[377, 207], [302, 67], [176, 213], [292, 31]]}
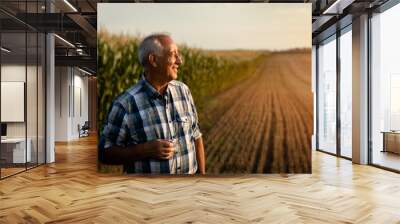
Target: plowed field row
{"points": [[264, 124]]}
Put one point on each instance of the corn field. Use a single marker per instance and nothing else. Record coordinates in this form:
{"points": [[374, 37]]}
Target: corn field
{"points": [[255, 112], [204, 73]]}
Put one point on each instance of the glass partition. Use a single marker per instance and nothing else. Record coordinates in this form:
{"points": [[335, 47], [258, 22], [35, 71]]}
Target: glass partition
{"points": [[31, 97], [22, 64], [41, 86], [14, 154], [327, 96]]}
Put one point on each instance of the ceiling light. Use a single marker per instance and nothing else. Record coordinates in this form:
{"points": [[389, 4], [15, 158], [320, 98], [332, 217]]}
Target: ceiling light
{"points": [[5, 50], [71, 6], [65, 41], [80, 51]]}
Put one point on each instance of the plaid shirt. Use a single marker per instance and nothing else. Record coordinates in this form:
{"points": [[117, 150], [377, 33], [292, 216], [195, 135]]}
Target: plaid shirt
{"points": [[141, 114]]}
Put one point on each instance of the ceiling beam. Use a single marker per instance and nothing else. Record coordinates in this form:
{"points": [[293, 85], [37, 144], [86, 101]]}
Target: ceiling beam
{"points": [[85, 25], [82, 61], [337, 6]]}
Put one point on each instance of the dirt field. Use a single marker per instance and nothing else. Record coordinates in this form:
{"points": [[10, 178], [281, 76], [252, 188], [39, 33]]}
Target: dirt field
{"points": [[264, 124]]}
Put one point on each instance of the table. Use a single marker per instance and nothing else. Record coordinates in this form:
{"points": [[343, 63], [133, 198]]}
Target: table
{"points": [[391, 141], [13, 150]]}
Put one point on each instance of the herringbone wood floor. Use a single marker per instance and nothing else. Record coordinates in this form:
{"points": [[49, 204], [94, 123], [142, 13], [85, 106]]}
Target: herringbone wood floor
{"points": [[71, 191]]}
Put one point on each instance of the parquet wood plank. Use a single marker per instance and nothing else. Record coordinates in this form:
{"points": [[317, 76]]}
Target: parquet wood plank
{"points": [[72, 191]]}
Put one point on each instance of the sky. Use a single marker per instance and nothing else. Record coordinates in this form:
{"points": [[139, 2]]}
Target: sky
{"points": [[214, 26]]}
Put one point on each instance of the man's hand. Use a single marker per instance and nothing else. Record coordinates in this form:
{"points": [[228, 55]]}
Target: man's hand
{"points": [[159, 149]]}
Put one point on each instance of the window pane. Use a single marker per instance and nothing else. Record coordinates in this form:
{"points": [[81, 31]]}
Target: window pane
{"points": [[346, 94], [327, 97], [386, 89]]}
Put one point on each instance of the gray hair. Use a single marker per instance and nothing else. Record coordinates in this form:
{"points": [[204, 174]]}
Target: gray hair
{"points": [[151, 45]]}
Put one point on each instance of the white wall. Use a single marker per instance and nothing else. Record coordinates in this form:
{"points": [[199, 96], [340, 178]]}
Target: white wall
{"points": [[15, 73], [34, 125], [70, 83], [62, 81], [79, 103]]}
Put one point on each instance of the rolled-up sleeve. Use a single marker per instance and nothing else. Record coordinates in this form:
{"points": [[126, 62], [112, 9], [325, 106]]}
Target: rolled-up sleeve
{"points": [[196, 127]]}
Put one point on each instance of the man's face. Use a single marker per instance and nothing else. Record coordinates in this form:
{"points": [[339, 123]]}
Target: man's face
{"points": [[170, 60]]}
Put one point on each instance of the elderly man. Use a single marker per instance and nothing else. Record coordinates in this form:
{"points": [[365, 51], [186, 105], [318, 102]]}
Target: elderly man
{"points": [[153, 126]]}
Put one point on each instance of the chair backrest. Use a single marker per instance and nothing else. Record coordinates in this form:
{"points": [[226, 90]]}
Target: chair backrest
{"points": [[86, 125]]}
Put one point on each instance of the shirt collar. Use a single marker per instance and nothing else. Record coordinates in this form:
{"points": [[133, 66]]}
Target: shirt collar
{"points": [[150, 90]]}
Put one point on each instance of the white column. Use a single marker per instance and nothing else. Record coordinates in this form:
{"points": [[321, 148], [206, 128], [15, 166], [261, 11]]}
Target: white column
{"points": [[360, 90], [50, 94]]}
